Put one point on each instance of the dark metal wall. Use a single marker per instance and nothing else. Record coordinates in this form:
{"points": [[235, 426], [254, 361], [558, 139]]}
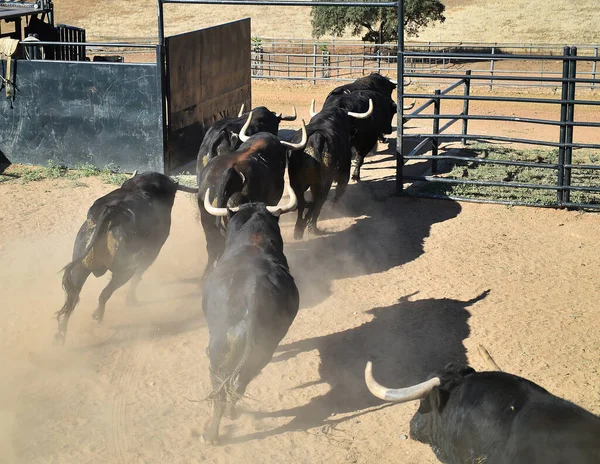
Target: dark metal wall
{"points": [[209, 78], [84, 112]]}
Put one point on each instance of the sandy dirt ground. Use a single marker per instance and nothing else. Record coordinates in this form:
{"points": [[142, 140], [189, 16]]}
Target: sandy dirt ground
{"points": [[408, 283]]}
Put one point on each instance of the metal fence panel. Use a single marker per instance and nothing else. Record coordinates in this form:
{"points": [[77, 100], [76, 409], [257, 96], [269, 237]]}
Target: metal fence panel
{"points": [[209, 78], [83, 112]]}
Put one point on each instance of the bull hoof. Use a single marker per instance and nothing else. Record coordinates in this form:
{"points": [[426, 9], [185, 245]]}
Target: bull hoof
{"points": [[298, 234], [132, 301], [356, 177], [97, 317], [208, 439], [59, 338]]}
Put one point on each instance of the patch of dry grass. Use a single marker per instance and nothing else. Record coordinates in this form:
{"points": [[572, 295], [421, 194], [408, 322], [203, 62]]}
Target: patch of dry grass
{"points": [[541, 21]]}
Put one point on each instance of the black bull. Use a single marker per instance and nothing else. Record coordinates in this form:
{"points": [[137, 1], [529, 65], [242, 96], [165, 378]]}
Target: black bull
{"points": [[496, 418], [365, 132], [373, 81], [123, 233], [249, 300], [223, 136], [252, 173]]}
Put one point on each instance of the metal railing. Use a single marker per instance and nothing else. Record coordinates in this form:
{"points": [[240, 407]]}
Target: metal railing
{"points": [[565, 144]]}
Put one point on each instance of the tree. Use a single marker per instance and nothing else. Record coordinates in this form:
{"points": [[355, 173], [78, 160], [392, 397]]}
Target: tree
{"points": [[379, 25]]}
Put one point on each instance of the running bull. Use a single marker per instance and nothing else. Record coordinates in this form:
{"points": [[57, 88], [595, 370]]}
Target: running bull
{"points": [[495, 418], [325, 159], [222, 136], [249, 300], [252, 173], [123, 233], [366, 131]]}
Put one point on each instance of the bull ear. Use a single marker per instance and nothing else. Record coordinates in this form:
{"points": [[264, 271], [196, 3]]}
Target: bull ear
{"points": [[438, 399]]}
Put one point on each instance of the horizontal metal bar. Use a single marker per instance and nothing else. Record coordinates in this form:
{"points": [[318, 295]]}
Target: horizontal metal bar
{"points": [[592, 167], [498, 56], [91, 44], [486, 161], [498, 138], [506, 99], [578, 188], [486, 183], [501, 77], [478, 200], [581, 205], [506, 119], [282, 3]]}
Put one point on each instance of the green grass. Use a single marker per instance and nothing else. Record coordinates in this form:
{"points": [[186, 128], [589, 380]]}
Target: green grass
{"points": [[25, 174], [472, 170]]}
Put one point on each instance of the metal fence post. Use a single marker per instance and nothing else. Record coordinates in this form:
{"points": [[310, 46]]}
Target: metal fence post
{"points": [[492, 69], [594, 67], [465, 112], [314, 64], [563, 126], [570, 119], [400, 110], [436, 130]]}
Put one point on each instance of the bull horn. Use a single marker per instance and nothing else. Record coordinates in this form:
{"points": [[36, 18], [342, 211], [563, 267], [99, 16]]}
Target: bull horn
{"points": [[302, 144], [289, 118], [363, 115], [185, 188], [210, 209], [291, 205], [400, 395], [488, 359], [406, 84], [411, 106], [311, 110], [241, 112], [134, 174], [243, 136]]}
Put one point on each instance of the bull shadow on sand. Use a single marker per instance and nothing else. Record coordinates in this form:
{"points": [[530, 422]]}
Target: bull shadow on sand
{"points": [[406, 342], [388, 231]]}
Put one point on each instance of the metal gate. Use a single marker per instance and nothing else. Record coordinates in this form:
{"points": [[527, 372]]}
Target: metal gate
{"points": [[208, 78]]}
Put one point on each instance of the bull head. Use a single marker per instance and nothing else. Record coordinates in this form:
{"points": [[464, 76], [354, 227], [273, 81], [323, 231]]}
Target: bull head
{"points": [[276, 210], [364, 115], [288, 118], [292, 146]]}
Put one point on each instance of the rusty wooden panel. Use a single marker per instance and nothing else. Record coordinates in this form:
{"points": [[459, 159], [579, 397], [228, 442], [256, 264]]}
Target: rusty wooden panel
{"points": [[209, 77]]}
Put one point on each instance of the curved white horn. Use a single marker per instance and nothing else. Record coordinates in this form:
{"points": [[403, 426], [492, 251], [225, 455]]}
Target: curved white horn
{"points": [[400, 395], [363, 115], [302, 144], [291, 205], [289, 118], [411, 106], [134, 174], [210, 209], [241, 112], [311, 110], [393, 81], [488, 359], [243, 136]]}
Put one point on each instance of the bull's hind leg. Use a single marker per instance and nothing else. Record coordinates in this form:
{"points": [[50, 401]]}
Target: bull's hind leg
{"points": [[357, 161], [73, 279], [148, 259], [211, 431], [119, 278]]}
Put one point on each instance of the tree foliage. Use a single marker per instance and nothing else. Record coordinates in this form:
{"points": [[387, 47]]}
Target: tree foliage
{"points": [[377, 25]]}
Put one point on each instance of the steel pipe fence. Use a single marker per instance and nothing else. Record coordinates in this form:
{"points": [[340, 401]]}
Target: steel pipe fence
{"points": [[562, 169]]}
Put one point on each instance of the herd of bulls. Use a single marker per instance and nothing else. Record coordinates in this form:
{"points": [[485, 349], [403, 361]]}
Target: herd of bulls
{"points": [[250, 298]]}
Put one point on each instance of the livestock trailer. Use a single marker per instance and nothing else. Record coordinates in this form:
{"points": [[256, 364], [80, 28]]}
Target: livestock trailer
{"points": [[58, 105]]}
